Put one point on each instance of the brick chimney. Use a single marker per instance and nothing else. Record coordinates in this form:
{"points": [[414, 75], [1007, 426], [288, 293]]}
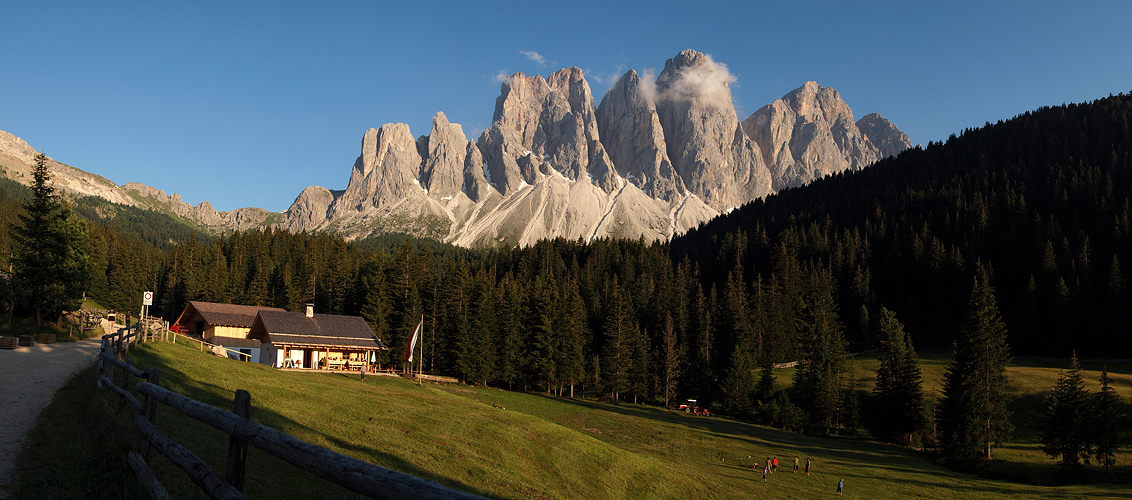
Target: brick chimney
{"points": [[310, 310]]}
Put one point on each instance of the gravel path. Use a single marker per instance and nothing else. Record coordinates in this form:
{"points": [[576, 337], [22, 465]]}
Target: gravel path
{"points": [[29, 377]]}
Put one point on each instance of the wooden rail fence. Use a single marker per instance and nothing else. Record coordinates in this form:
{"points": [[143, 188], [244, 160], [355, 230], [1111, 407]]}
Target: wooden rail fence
{"points": [[357, 475]]}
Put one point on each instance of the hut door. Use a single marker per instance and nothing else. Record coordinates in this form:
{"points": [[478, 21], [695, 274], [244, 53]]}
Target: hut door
{"points": [[307, 358]]}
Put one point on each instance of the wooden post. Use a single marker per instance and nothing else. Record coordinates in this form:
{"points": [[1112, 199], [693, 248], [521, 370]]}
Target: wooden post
{"points": [[238, 449], [153, 377], [126, 380]]}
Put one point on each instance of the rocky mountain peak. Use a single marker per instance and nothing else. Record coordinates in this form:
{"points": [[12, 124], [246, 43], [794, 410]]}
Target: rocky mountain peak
{"points": [[631, 132], [884, 135], [443, 171], [809, 133], [544, 125], [657, 157], [706, 144]]}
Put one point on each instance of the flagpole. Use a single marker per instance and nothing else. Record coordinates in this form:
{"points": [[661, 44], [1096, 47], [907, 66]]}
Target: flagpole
{"points": [[420, 372]]}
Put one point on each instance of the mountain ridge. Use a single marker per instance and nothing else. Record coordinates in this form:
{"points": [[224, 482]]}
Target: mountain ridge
{"points": [[651, 160]]}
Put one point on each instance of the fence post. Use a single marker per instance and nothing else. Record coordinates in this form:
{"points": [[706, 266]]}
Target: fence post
{"points": [[101, 366], [153, 377], [237, 449], [125, 381]]}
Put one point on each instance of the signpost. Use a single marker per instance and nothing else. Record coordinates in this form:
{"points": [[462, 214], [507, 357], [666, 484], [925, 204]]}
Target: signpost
{"points": [[147, 300]]}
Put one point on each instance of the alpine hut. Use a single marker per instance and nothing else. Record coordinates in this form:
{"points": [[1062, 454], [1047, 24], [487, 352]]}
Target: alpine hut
{"points": [[222, 324], [307, 340]]}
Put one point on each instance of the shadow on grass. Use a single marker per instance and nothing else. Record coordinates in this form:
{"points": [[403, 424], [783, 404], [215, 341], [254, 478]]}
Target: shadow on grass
{"points": [[267, 476]]}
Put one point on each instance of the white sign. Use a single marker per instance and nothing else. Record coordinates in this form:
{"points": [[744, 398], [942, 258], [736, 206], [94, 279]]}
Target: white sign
{"points": [[147, 298]]}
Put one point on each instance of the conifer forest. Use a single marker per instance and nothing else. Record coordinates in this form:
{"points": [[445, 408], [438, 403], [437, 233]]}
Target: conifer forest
{"points": [[1017, 233]]}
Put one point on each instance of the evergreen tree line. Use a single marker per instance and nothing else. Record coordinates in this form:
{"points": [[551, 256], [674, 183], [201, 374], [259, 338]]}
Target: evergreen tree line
{"points": [[1030, 217], [1045, 199]]}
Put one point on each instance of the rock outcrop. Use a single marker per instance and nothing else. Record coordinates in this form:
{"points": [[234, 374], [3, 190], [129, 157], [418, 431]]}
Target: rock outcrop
{"points": [[631, 132], [810, 133], [884, 135], [706, 143]]}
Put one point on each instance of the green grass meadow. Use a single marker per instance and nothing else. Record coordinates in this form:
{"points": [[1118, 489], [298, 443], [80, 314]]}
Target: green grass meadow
{"points": [[503, 444]]}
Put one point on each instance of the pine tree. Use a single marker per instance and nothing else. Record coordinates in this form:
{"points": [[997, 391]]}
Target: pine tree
{"points": [[765, 388], [509, 342], [1105, 423], [899, 386], [670, 355], [542, 343], [818, 383], [739, 383], [572, 328], [973, 413], [617, 353], [479, 346], [1064, 424], [50, 262]]}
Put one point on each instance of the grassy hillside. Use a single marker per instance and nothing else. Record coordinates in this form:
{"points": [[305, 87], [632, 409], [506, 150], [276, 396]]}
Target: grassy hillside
{"points": [[504, 444]]}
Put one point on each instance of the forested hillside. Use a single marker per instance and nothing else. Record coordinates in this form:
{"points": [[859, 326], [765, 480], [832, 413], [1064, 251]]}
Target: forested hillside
{"points": [[1044, 199]]}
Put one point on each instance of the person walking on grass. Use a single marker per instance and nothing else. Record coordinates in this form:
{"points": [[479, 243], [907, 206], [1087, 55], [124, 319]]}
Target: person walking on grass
{"points": [[795, 464], [774, 468], [840, 484], [764, 474], [807, 466]]}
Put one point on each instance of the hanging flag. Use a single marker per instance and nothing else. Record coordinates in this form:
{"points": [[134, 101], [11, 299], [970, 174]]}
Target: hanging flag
{"points": [[413, 341]]}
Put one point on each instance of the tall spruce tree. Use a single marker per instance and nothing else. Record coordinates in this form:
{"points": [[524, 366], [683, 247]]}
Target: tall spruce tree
{"points": [[898, 395], [1064, 419], [819, 381], [670, 354], [50, 251], [1105, 423], [973, 414], [572, 356], [617, 353]]}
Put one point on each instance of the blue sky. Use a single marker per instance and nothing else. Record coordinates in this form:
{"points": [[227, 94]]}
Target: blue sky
{"points": [[246, 103]]}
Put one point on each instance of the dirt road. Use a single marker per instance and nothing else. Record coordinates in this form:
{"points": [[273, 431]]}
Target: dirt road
{"points": [[29, 376]]}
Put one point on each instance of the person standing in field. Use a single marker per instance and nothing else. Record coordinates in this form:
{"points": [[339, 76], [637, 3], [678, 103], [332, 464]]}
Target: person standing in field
{"points": [[807, 466], [795, 464], [774, 467], [840, 484], [764, 474]]}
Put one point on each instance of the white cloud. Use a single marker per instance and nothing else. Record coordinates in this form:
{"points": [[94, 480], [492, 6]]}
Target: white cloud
{"points": [[709, 81], [501, 77], [534, 57], [648, 83]]}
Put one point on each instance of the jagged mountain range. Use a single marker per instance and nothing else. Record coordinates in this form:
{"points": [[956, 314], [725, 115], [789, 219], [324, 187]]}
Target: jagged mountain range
{"points": [[657, 156]]}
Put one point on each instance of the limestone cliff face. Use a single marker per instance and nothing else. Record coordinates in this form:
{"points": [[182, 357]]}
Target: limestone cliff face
{"points": [[631, 132], [542, 125], [810, 133], [706, 144], [387, 170], [442, 174]]}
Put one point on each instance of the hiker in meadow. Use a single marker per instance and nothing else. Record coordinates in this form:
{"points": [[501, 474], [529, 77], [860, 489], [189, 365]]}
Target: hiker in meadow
{"points": [[807, 466], [764, 474], [795, 464], [840, 483], [774, 468]]}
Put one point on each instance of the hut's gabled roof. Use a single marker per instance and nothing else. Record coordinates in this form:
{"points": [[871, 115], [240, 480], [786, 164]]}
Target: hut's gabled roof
{"points": [[282, 327], [224, 314]]}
